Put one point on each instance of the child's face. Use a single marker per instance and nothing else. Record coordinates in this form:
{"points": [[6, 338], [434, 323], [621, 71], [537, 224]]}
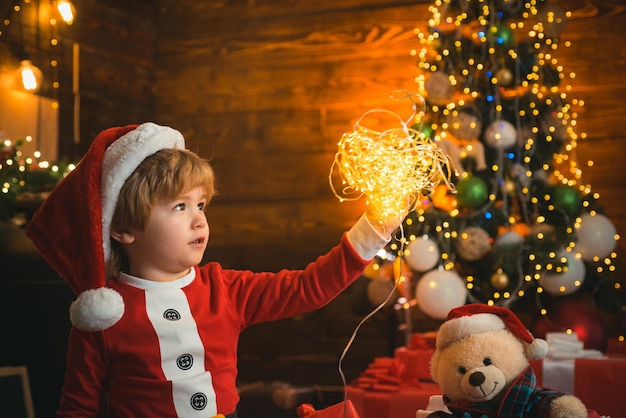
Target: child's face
{"points": [[173, 241]]}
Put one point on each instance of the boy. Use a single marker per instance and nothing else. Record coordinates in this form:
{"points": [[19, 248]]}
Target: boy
{"points": [[153, 333]]}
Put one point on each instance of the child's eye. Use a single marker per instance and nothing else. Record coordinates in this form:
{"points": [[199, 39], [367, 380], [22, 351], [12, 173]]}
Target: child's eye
{"points": [[201, 206], [179, 206]]}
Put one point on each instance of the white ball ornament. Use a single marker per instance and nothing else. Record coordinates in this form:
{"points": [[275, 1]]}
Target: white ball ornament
{"points": [[422, 254], [500, 134], [438, 291], [509, 240], [568, 281], [596, 236]]}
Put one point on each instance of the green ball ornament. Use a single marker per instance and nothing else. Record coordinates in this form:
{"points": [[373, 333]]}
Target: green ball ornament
{"points": [[500, 35], [566, 198], [425, 131], [471, 192]]}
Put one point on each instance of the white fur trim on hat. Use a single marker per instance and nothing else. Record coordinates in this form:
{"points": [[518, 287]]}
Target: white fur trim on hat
{"points": [[96, 309], [459, 328], [121, 158], [537, 349]]}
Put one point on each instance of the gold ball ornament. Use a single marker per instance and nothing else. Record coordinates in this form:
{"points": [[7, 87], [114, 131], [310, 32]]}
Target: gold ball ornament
{"points": [[504, 76], [509, 187], [500, 280]]}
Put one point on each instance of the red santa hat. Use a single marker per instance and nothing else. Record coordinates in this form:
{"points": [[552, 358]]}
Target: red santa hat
{"points": [[71, 229], [476, 318]]}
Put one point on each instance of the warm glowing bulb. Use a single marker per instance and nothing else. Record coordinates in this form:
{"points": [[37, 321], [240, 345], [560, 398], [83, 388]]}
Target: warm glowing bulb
{"points": [[30, 76], [66, 10]]}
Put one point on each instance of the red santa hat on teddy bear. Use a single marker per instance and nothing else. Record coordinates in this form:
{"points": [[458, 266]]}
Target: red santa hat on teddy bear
{"points": [[475, 318], [71, 229]]}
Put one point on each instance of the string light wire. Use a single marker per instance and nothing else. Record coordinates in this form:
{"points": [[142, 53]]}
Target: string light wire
{"points": [[361, 323]]}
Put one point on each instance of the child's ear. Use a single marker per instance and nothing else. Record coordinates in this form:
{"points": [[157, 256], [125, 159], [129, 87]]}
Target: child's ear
{"points": [[123, 237]]}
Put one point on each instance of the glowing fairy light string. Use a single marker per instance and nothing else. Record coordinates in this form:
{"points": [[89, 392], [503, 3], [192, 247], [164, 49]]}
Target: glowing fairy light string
{"points": [[388, 166]]}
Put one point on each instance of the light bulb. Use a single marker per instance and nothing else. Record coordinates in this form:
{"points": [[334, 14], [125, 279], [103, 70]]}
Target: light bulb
{"points": [[30, 76], [66, 10]]}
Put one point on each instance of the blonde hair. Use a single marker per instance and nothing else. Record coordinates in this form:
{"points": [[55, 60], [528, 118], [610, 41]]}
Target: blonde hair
{"points": [[162, 176]]}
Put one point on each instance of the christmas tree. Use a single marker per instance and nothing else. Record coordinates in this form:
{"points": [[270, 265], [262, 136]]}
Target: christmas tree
{"points": [[522, 229]]}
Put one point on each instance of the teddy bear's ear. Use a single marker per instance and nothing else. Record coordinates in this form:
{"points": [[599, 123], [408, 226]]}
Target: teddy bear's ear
{"points": [[537, 349]]}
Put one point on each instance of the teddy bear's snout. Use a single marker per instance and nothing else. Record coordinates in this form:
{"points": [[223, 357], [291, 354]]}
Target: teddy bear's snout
{"points": [[477, 379], [482, 383]]}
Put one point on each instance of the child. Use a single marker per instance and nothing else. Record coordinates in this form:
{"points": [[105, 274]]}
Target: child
{"points": [[153, 333]]}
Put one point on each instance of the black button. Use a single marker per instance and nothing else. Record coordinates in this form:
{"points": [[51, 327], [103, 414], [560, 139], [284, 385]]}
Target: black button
{"points": [[171, 315], [184, 362], [198, 401]]}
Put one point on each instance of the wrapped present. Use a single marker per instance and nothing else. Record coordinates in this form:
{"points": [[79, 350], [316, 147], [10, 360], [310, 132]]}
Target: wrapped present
{"points": [[416, 355], [558, 365], [341, 410], [596, 378], [384, 374]]}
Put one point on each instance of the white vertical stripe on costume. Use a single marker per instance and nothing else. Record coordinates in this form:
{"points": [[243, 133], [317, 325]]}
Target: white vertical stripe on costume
{"points": [[182, 352]]}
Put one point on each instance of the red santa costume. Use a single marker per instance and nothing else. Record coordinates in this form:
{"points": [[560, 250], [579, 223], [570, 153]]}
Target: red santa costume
{"points": [[163, 349]]}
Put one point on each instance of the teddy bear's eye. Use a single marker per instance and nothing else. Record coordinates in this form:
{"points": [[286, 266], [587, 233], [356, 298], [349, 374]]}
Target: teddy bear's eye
{"points": [[487, 361], [462, 370]]}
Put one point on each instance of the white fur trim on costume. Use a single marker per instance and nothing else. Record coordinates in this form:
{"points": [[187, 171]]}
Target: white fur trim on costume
{"points": [[121, 158], [97, 309], [464, 326], [366, 239]]}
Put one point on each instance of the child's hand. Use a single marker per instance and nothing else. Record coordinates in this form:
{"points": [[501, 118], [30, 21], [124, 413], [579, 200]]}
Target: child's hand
{"points": [[387, 224]]}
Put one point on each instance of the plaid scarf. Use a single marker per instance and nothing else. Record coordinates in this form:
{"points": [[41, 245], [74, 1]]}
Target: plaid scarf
{"points": [[523, 399]]}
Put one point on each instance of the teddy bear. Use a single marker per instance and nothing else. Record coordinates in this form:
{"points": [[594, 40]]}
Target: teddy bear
{"points": [[481, 363]]}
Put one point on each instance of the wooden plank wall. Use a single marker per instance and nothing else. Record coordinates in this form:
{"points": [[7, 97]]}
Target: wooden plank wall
{"points": [[266, 91]]}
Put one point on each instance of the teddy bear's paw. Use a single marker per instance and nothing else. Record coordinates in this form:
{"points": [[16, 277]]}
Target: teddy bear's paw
{"points": [[567, 406]]}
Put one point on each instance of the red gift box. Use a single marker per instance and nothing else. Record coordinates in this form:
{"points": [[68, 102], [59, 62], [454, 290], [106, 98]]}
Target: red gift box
{"points": [[417, 354], [417, 362], [598, 382], [340, 410]]}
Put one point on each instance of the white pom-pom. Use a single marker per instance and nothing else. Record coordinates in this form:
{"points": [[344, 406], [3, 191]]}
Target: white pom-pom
{"points": [[96, 309], [537, 350]]}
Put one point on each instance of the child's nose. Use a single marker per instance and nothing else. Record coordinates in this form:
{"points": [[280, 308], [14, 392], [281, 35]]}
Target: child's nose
{"points": [[199, 220]]}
